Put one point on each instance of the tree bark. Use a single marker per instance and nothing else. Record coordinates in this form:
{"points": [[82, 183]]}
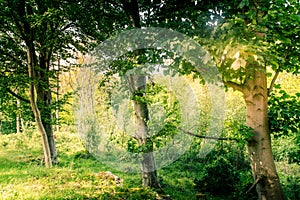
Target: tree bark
{"points": [[57, 99], [137, 83], [259, 146], [44, 100], [148, 166], [18, 116], [32, 75], [37, 71]]}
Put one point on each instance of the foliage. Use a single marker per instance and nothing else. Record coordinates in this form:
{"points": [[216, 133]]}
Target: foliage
{"points": [[35, 37], [286, 147], [225, 172], [9, 109], [162, 126], [235, 32], [290, 180], [284, 119], [284, 112]]}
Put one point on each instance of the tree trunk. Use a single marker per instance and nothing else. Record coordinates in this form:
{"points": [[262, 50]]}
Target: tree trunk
{"points": [[149, 174], [44, 100], [259, 146], [18, 117], [31, 72], [57, 99], [38, 70], [137, 83]]}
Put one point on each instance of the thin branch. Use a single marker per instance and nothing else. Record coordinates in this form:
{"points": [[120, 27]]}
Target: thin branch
{"points": [[15, 59], [14, 33], [254, 184], [234, 85], [17, 96], [203, 136], [278, 70]]}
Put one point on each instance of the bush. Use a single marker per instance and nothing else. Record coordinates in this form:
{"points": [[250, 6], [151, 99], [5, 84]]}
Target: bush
{"points": [[286, 148], [290, 179], [226, 171], [219, 178]]}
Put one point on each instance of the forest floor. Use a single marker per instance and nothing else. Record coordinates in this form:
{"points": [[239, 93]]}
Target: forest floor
{"points": [[78, 175]]}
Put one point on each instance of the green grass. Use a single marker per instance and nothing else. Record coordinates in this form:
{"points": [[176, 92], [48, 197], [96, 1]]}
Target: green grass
{"points": [[23, 175]]}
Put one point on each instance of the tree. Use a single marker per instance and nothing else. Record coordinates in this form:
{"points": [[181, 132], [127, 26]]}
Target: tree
{"points": [[246, 38], [137, 84], [242, 27], [32, 34]]}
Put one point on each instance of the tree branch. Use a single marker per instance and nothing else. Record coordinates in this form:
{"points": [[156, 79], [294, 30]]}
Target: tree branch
{"points": [[278, 70], [19, 62], [17, 96], [203, 136], [234, 85]]}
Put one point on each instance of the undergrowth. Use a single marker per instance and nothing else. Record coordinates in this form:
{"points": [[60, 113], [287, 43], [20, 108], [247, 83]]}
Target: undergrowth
{"points": [[23, 175]]}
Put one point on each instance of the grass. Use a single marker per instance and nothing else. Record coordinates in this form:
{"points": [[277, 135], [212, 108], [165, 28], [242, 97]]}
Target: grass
{"points": [[23, 175]]}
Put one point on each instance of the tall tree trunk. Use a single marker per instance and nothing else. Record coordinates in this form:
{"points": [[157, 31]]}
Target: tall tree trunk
{"points": [[32, 75], [259, 147], [38, 75], [18, 117], [57, 99], [148, 165], [44, 100], [138, 85]]}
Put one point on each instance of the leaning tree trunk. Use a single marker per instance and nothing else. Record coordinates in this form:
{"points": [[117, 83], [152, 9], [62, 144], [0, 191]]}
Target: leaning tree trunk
{"points": [[149, 174], [31, 59], [44, 100], [259, 147]]}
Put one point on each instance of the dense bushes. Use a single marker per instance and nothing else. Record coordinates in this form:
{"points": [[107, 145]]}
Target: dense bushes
{"points": [[284, 118], [225, 171]]}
